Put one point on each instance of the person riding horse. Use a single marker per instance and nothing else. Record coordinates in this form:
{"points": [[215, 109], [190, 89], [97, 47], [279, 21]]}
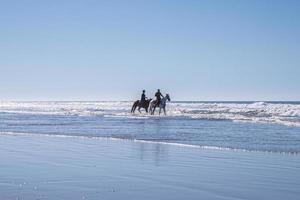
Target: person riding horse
{"points": [[143, 98], [158, 96], [142, 103], [162, 105]]}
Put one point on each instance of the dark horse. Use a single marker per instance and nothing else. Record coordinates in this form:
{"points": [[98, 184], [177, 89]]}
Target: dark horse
{"points": [[139, 105]]}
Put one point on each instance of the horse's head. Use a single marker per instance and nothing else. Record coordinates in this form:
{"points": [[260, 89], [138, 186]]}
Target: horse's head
{"points": [[168, 97]]}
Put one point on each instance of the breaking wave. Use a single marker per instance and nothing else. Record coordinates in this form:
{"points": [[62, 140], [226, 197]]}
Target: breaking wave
{"points": [[283, 113]]}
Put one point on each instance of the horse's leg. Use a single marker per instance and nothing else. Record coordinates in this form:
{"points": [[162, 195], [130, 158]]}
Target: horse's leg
{"points": [[133, 108], [139, 109], [165, 110], [153, 110], [160, 108], [135, 104]]}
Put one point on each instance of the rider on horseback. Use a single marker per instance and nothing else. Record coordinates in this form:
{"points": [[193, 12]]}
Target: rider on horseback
{"points": [[158, 96], [143, 98]]}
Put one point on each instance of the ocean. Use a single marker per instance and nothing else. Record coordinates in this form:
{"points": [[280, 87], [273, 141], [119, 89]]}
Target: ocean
{"points": [[229, 126]]}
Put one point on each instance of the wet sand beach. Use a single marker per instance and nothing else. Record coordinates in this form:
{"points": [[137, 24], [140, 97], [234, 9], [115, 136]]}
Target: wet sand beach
{"points": [[57, 167]]}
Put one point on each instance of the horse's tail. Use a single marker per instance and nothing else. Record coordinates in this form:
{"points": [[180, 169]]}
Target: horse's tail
{"points": [[151, 107], [135, 104], [147, 104]]}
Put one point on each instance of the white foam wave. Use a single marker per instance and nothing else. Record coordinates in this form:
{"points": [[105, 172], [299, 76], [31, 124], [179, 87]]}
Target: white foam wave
{"points": [[205, 147], [258, 112]]}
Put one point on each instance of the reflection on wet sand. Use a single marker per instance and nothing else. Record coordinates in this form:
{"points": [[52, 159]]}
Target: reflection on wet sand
{"points": [[158, 153]]}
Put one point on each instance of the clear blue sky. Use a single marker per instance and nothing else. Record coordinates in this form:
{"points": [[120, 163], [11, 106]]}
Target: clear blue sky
{"points": [[111, 50]]}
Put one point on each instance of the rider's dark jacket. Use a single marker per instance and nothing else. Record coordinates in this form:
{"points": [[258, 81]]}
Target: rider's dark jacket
{"points": [[143, 99], [158, 97]]}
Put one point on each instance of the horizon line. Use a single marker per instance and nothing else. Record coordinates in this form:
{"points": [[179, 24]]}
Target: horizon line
{"points": [[44, 100]]}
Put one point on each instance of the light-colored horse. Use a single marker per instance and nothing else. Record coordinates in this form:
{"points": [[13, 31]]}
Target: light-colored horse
{"points": [[162, 104]]}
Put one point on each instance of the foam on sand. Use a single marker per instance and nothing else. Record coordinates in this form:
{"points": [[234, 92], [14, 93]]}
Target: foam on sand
{"points": [[205, 147]]}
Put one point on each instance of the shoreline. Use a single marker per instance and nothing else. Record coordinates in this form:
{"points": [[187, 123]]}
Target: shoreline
{"points": [[203, 147]]}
